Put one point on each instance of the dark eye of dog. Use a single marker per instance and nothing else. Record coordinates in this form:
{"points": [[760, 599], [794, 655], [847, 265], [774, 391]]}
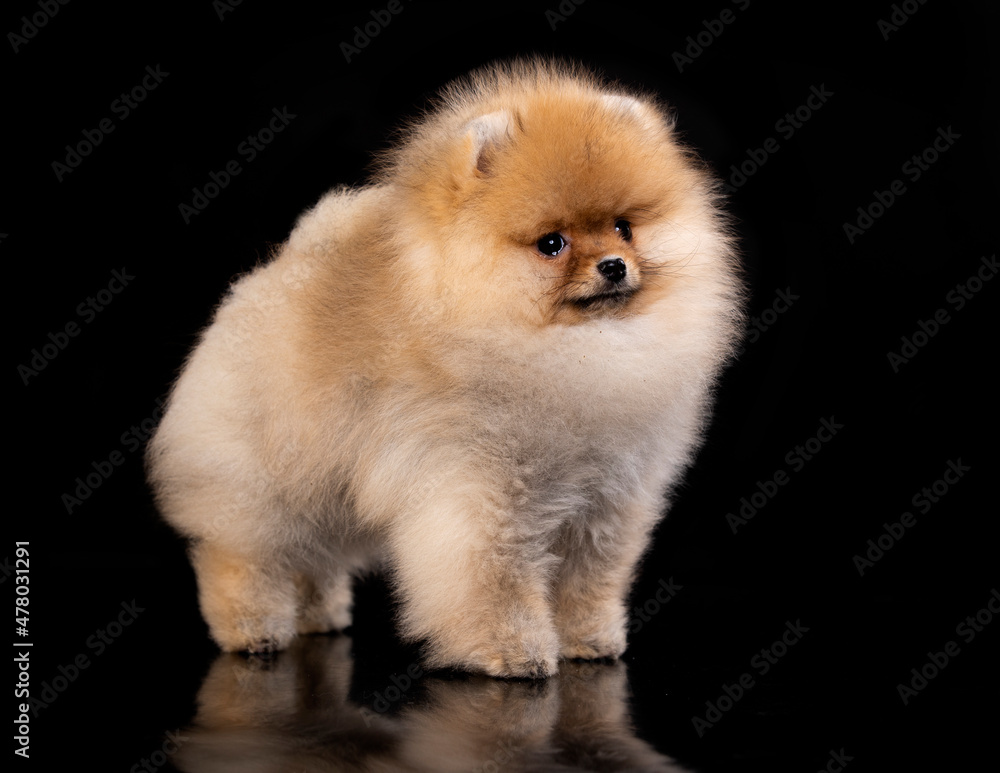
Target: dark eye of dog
{"points": [[624, 229], [551, 244]]}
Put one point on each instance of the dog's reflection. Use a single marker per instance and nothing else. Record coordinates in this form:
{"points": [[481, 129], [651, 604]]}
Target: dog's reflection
{"points": [[293, 713]]}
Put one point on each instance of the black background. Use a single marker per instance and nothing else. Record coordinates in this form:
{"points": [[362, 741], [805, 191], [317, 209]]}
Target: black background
{"points": [[825, 357]]}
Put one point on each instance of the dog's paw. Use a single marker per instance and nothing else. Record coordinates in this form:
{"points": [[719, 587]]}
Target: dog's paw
{"points": [[594, 639], [529, 655], [264, 647], [254, 636], [521, 665], [593, 649]]}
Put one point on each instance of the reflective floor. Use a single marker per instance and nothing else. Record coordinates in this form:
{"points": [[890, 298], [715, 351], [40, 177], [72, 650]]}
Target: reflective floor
{"points": [[297, 713], [715, 679]]}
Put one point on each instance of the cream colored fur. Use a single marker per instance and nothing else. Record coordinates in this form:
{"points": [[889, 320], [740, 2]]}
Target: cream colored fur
{"points": [[409, 384]]}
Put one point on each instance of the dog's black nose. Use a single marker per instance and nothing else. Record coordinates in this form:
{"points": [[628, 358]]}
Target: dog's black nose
{"points": [[613, 269]]}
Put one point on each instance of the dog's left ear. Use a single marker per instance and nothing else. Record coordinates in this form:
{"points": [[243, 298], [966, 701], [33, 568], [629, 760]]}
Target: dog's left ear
{"points": [[485, 136]]}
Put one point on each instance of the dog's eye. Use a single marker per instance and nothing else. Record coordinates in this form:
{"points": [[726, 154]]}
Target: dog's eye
{"points": [[551, 244], [624, 229]]}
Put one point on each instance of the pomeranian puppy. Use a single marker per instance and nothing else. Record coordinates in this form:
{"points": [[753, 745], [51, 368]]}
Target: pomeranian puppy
{"points": [[483, 373]]}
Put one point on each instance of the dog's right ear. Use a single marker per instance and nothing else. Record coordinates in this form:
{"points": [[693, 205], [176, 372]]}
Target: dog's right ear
{"points": [[485, 136], [649, 118]]}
